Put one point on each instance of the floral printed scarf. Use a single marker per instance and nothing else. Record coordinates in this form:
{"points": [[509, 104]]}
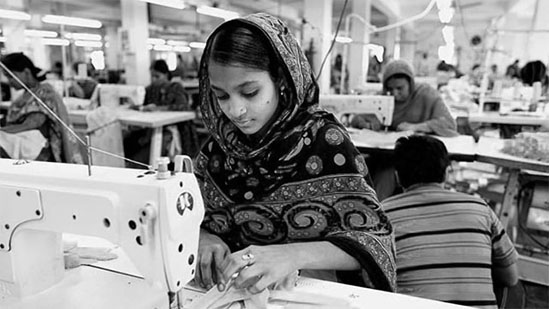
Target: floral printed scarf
{"points": [[303, 180]]}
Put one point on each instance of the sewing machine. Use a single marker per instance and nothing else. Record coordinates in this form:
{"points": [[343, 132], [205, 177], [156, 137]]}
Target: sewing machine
{"points": [[114, 95], [343, 105], [154, 216]]}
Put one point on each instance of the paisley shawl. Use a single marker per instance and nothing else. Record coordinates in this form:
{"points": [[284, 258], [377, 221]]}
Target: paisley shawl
{"points": [[302, 181]]}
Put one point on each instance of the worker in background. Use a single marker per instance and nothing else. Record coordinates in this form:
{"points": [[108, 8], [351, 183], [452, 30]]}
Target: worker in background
{"points": [[82, 85], [36, 132], [284, 188], [513, 70], [418, 108], [163, 95], [450, 245]]}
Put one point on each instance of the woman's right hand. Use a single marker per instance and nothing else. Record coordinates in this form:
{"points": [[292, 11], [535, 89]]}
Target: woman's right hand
{"points": [[211, 253]]}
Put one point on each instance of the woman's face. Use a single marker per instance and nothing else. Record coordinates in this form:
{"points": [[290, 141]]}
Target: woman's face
{"points": [[23, 76], [399, 88], [247, 96], [157, 77]]}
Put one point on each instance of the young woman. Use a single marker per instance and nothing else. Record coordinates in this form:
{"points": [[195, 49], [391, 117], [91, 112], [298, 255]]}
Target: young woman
{"points": [[26, 114], [283, 186]]}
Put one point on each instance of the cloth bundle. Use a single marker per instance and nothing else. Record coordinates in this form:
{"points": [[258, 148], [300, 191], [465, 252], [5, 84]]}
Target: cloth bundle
{"points": [[23, 145]]}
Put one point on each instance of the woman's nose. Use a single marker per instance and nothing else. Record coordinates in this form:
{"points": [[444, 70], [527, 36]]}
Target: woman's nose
{"points": [[238, 109]]}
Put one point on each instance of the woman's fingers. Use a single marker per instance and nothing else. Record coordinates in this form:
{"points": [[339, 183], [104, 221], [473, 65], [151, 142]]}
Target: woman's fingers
{"points": [[205, 266]]}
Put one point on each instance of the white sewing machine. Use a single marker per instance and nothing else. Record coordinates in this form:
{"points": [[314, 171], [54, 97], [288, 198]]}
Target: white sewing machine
{"points": [[343, 105], [153, 216], [111, 95]]}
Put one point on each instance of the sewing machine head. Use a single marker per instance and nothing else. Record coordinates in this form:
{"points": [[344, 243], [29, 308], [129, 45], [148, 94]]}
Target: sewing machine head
{"points": [[154, 217], [343, 105], [114, 95]]}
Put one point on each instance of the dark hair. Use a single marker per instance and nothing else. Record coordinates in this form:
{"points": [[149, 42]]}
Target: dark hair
{"points": [[533, 71], [239, 44], [420, 159], [18, 62], [161, 66], [399, 75]]}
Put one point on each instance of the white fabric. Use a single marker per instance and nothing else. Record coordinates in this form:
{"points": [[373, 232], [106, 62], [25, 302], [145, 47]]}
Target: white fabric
{"points": [[105, 134], [23, 145]]}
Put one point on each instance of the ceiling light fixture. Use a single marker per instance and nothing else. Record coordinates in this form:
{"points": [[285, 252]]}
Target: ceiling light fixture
{"points": [[55, 42], [176, 4], [343, 39], [182, 49], [156, 41], [216, 12], [84, 36], [197, 45], [11, 14], [72, 21], [40, 33], [177, 43], [88, 44]]}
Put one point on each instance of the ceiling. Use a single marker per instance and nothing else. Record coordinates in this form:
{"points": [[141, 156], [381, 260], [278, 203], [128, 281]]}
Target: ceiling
{"points": [[471, 17]]}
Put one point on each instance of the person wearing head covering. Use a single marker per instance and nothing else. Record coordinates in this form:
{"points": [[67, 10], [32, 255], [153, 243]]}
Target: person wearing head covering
{"points": [[418, 106], [26, 114], [283, 186], [163, 95]]}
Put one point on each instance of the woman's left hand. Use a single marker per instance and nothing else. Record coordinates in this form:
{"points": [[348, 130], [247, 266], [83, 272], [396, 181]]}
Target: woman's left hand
{"points": [[257, 267]]}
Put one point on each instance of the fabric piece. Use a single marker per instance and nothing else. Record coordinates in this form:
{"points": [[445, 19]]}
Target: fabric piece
{"points": [[303, 180], [25, 145], [63, 145], [105, 134], [424, 105], [447, 243]]}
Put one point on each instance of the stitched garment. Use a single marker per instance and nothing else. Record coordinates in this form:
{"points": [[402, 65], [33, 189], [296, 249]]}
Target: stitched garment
{"points": [[63, 145], [303, 180]]}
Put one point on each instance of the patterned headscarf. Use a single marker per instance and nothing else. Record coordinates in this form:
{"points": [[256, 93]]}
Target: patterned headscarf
{"points": [[303, 180]]}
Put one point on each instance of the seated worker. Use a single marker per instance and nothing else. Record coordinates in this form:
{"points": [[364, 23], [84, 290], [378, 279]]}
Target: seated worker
{"points": [[82, 87], [450, 245], [284, 188], [28, 122], [418, 108], [163, 95]]}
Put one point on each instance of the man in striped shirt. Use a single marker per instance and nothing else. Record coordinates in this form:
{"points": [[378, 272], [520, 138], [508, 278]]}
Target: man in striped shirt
{"points": [[450, 246]]}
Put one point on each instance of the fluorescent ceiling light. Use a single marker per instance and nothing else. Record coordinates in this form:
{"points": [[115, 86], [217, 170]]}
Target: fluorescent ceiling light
{"points": [[215, 12], [177, 43], [444, 4], [55, 42], [343, 39], [40, 33], [11, 14], [72, 21], [84, 36], [182, 49], [197, 45], [88, 44], [3, 39], [155, 41], [446, 15], [163, 47], [176, 4]]}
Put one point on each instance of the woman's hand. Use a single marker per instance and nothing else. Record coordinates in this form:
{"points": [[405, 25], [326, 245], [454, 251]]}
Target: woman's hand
{"points": [[257, 267], [366, 121], [211, 253]]}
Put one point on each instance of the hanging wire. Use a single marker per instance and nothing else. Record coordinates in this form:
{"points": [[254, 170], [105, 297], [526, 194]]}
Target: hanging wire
{"points": [[333, 39], [66, 126]]}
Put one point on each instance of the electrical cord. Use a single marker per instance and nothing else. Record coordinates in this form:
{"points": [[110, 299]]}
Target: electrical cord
{"points": [[333, 40]]}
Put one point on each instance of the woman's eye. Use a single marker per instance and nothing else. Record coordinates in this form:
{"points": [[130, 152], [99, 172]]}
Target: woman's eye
{"points": [[222, 97], [250, 94]]}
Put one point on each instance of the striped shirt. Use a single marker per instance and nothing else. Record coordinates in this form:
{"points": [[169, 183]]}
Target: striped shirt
{"points": [[447, 243]]}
